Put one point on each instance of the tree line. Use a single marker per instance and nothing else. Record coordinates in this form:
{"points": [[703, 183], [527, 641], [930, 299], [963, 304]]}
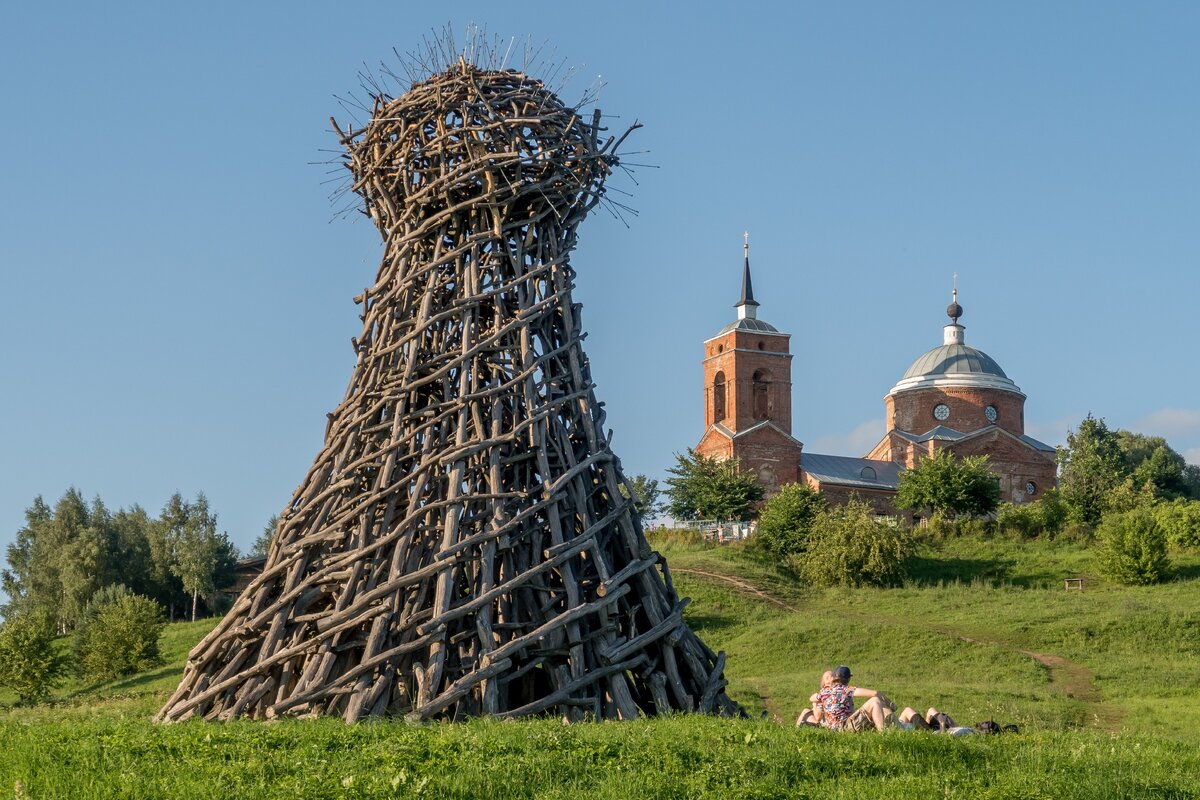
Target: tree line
{"points": [[66, 554], [1130, 495]]}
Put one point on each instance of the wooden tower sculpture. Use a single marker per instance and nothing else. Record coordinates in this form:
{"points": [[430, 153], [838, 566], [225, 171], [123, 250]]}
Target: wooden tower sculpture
{"points": [[461, 545]]}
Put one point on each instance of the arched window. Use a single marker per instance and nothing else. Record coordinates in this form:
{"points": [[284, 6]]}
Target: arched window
{"points": [[867, 473], [760, 382], [719, 397]]}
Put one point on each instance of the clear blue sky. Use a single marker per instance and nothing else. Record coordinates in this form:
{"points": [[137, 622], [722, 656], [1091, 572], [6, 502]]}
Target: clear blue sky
{"points": [[175, 310]]}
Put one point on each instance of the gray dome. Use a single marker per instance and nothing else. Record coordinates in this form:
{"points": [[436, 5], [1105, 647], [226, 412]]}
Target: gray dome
{"points": [[954, 359], [955, 365], [748, 324]]}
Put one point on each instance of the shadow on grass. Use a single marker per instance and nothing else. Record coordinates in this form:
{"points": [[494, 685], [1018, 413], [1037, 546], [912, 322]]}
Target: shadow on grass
{"points": [[125, 685], [702, 621], [1186, 572], [926, 570]]}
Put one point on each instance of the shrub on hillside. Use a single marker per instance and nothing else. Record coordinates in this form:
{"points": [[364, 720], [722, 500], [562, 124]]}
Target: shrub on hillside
{"points": [[1180, 521], [1132, 548], [786, 520], [29, 664], [1044, 516], [118, 635], [848, 546]]}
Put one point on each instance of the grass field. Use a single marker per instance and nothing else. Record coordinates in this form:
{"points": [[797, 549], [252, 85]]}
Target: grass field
{"points": [[1104, 683]]}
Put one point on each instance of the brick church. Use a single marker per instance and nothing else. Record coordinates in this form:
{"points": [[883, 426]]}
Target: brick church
{"points": [[953, 397]]}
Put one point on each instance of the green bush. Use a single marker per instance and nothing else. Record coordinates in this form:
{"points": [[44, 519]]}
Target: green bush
{"points": [[118, 635], [1133, 548], [1044, 516], [1180, 521], [786, 520], [848, 546], [29, 664]]}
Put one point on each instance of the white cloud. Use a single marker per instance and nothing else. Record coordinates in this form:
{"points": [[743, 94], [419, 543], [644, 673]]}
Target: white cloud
{"points": [[1192, 455], [1168, 422], [855, 443]]}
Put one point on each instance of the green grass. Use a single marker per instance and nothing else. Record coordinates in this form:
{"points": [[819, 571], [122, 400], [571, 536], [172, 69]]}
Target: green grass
{"points": [[1120, 717], [1132, 652], [672, 757]]}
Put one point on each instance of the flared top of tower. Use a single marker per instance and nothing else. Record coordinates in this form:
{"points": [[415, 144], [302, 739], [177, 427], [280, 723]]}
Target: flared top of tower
{"points": [[467, 135]]}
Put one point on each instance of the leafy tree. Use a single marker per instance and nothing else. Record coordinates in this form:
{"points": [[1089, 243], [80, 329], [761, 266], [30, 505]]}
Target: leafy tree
{"points": [[786, 520], [1180, 521], [263, 543], [710, 488], [29, 664], [60, 558], [1090, 467], [201, 558], [88, 561], [1151, 459], [645, 495], [1128, 495], [118, 635], [848, 546], [18, 578], [946, 485], [131, 544], [1133, 548]]}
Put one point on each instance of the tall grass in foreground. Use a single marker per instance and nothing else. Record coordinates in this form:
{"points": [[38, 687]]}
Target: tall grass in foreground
{"points": [[669, 757]]}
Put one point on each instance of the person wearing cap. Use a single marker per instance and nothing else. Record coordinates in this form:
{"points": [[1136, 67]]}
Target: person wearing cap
{"points": [[836, 702]]}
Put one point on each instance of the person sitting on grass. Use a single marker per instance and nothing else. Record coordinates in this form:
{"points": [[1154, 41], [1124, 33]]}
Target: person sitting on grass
{"points": [[811, 717], [836, 702]]}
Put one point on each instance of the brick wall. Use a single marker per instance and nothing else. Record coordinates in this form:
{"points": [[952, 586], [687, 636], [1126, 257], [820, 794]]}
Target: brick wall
{"points": [[738, 355], [912, 410]]}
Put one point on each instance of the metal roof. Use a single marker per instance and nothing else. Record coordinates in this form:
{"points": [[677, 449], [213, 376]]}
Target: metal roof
{"points": [[955, 365], [846, 471], [1034, 443], [748, 324], [944, 434], [954, 359]]}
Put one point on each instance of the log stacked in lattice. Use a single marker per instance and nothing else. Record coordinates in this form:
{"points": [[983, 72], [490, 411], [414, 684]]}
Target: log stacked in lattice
{"points": [[461, 545]]}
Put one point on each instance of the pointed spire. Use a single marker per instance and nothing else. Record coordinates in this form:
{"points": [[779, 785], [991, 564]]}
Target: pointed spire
{"points": [[747, 304]]}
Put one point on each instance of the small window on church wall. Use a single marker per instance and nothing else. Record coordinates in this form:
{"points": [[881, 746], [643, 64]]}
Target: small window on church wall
{"points": [[760, 346], [719, 397], [760, 382]]}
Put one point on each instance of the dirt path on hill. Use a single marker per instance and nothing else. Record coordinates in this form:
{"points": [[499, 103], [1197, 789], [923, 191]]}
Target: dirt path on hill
{"points": [[1067, 677], [740, 585]]}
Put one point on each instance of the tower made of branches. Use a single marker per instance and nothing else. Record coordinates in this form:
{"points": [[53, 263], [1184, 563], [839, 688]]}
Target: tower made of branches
{"points": [[461, 545]]}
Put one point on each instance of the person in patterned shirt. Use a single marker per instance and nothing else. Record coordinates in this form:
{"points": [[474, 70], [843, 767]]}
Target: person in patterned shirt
{"points": [[836, 705], [811, 717]]}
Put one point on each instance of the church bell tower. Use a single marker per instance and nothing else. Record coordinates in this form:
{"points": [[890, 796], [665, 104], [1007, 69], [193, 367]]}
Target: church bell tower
{"points": [[748, 393]]}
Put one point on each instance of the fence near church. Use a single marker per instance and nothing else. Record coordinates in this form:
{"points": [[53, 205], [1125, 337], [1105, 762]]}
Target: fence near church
{"points": [[720, 530]]}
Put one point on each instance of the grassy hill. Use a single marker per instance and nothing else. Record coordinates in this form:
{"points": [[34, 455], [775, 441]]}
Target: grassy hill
{"points": [[1104, 684]]}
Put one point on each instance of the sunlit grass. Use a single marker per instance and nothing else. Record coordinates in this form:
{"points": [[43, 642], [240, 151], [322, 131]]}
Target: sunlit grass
{"points": [[952, 637]]}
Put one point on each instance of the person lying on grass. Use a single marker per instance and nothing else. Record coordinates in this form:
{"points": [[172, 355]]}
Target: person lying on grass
{"points": [[836, 703]]}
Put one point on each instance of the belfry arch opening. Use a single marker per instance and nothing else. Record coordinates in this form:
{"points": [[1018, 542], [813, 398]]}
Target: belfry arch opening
{"points": [[719, 397], [760, 384]]}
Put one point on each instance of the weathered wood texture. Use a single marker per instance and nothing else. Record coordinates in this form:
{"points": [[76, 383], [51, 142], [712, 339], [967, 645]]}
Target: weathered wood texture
{"points": [[460, 545]]}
